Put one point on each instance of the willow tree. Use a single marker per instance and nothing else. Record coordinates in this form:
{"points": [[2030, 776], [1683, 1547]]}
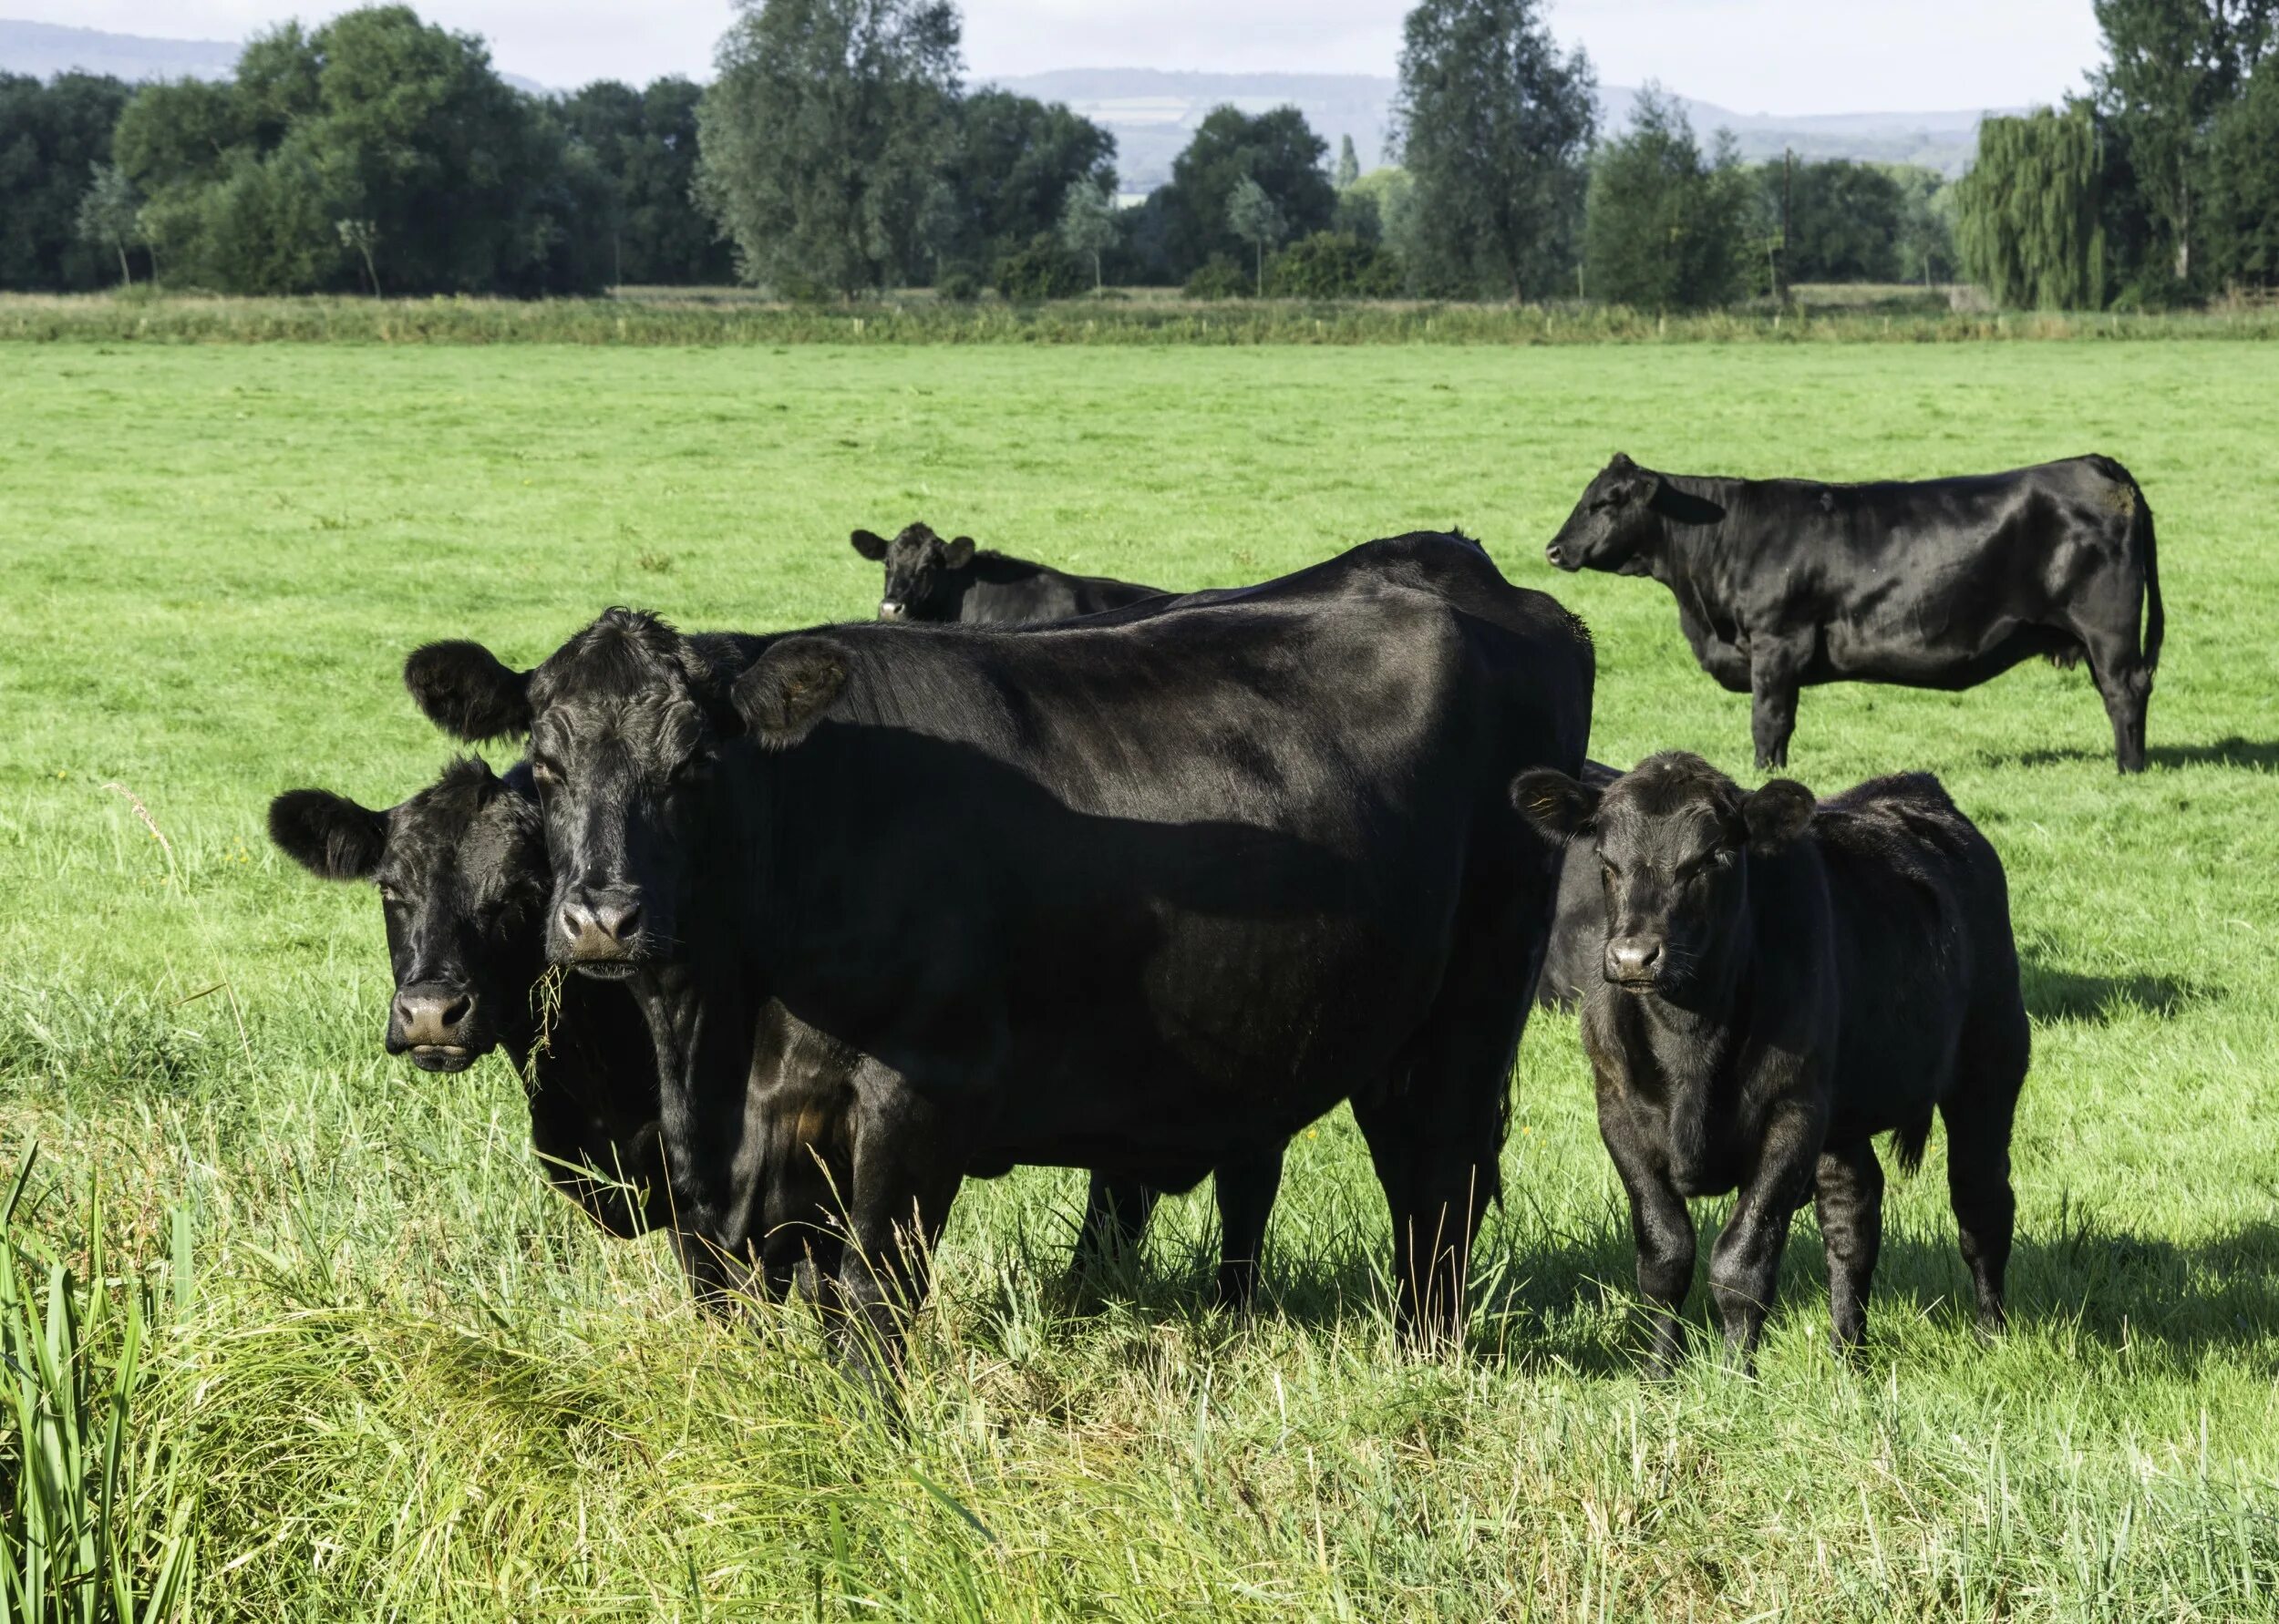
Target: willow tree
{"points": [[2027, 216]]}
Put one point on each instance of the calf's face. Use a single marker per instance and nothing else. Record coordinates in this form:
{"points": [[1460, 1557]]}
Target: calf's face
{"points": [[461, 872], [1674, 838], [925, 575], [1613, 527]]}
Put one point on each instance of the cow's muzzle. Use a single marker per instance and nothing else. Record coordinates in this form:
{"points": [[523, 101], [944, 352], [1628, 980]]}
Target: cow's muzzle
{"points": [[1561, 556], [434, 1023], [893, 610], [599, 933]]}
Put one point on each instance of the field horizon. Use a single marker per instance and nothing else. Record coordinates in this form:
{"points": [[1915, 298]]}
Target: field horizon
{"points": [[393, 1376]]}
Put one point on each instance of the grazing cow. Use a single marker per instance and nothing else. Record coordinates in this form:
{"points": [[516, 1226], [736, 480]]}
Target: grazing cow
{"points": [[1578, 927], [928, 579], [1781, 982], [1938, 584], [1145, 896], [462, 876]]}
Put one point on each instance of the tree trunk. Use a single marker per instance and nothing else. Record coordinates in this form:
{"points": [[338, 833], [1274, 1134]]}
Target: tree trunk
{"points": [[125, 273]]}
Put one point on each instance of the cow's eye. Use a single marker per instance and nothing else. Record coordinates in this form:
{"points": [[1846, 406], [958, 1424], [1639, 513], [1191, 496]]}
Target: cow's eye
{"points": [[1607, 866], [543, 771], [390, 896]]}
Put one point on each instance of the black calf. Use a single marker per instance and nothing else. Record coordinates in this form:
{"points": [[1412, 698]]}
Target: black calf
{"points": [[1780, 983]]}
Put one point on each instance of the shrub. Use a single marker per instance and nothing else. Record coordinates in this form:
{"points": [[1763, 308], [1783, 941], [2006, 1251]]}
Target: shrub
{"points": [[1332, 265], [1219, 277], [958, 287], [1044, 269]]}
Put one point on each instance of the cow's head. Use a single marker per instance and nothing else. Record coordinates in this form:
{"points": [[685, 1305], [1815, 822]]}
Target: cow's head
{"points": [[1674, 838], [925, 576], [625, 722], [461, 872], [1614, 526]]}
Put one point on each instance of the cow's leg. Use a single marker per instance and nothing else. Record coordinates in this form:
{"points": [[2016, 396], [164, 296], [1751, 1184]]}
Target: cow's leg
{"points": [[1116, 1214], [1247, 1186], [2126, 688], [1772, 686], [907, 1165], [1848, 1200], [1978, 1184], [1660, 1230], [1745, 1262]]}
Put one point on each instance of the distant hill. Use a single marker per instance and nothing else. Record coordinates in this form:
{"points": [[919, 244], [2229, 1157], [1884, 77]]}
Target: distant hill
{"points": [[44, 49], [1152, 113]]}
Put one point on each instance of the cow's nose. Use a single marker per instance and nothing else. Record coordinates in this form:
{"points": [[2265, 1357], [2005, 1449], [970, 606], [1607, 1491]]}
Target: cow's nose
{"points": [[1633, 959], [892, 611], [431, 1015], [1557, 559], [599, 927]]}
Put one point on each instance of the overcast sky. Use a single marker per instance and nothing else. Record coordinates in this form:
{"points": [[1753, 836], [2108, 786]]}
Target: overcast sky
{"points": [[1751, 55]]}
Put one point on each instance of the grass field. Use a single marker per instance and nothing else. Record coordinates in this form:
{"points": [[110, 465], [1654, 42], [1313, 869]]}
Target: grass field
{"points": [[397, 1378]]}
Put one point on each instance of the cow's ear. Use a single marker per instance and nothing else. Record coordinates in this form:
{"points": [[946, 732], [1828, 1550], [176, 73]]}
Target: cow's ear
{"points": [[329, 834], [959, 553], [1555, 804], [463, 689], [1776, 815], [791, 687], [1621, 463], [870, 544]]}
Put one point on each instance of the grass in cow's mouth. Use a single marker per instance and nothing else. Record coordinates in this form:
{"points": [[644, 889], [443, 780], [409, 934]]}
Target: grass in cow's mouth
{"points": [[406, 1379]]}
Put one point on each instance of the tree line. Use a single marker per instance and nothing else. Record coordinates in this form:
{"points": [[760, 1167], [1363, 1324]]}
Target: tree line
{"points": [[839, 153]]}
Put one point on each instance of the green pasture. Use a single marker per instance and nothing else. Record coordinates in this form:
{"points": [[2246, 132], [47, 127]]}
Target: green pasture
{"points": [[393, 1376]]}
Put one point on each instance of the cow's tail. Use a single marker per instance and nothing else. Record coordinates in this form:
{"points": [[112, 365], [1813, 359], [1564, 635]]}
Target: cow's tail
{"points": [[1907, 1142], [2155, 623]]}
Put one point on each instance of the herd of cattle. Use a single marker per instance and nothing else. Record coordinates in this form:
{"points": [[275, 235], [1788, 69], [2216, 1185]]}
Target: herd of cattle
{"points": [[1052, 869]]}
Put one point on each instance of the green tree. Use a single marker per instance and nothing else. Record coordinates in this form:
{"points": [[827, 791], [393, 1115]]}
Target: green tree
{"points": [[2243, 183], [1667, 223], [1087, 226], [107, 217], [823, 135], [2171, 67], [1257, 219], [1926, 223], [2026, 215], [642, 145], [1277, 150], [52, 136], [1844, 219], [1348, 164], [374, 117], [1015, 162], [1493, 125]]}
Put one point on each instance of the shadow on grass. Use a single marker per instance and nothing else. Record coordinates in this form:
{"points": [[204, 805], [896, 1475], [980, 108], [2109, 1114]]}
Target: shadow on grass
{"points": [[1539, 1301], [2054, 994], [2231, 751]]}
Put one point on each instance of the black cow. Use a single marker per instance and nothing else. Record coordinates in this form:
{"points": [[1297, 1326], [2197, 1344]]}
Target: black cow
{"points": [[463, 882], [1780, 983], [1938, 584], [1144, 898], [928, 579]]}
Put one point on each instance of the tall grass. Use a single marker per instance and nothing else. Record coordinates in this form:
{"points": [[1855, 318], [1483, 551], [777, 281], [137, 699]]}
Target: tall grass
{"points": [[661, 319], [97, 1502]]}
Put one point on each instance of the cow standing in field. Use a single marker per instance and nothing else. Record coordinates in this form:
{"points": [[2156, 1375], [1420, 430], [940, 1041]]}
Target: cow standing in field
{"points": [[928, 579], [1779, 984], [1144, 898], [1941, 583], [461, 871]]}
